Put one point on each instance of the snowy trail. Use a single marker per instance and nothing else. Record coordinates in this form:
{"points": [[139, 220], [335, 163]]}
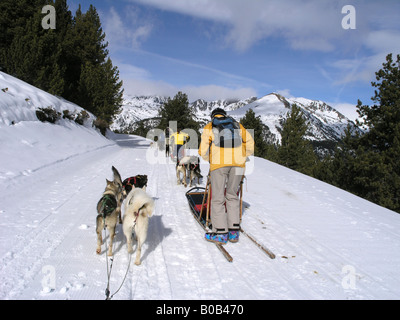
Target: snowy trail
{"points": [[48, 237]]}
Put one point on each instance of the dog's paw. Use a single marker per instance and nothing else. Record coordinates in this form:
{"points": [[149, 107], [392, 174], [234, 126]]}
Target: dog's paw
{"points": [[98, 250], [137, 262]]}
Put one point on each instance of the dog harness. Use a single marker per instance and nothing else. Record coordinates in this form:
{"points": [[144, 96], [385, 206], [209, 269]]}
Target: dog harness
{"points": [[108, 204], [128, 181]]}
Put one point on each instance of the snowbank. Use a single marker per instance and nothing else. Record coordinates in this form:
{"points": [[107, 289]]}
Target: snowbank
{"points": [[26, 144]]}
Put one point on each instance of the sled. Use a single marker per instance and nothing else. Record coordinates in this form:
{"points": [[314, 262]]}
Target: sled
{"points": [[199, 204], [199, 201]]}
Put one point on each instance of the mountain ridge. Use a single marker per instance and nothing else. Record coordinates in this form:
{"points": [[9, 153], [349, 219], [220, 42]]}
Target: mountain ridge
{"points": [[326, 124]]}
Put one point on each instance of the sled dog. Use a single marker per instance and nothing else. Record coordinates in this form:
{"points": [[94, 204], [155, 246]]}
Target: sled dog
{"points": [[181, 168], [194, 170], [109, 210], [138, 208], [189, 164], [139, 181]]}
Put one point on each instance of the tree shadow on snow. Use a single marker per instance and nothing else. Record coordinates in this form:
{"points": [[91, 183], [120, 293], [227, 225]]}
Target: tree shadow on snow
{"points": [[130, 141]]}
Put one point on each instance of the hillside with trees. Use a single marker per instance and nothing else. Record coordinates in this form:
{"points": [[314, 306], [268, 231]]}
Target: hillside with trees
{"points": [[69, 61]]}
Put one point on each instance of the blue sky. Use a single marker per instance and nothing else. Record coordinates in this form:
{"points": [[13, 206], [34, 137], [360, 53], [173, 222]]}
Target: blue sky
{"points": [[218, 49]]}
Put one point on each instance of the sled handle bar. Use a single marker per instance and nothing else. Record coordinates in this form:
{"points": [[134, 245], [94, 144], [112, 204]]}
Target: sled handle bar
{"points": [[195, 188]]}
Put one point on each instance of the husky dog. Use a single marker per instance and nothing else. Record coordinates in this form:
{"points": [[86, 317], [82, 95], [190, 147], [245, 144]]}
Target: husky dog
{"points": [[194, 170], [191, 165], [181, 168], [109, 210], [139, 181], [138, 208]]}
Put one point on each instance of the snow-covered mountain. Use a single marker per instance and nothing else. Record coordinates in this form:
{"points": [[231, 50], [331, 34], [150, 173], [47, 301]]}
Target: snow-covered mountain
{"points": [[325, 123], [329, 244], [138, 108], [202, 108], [135, 109]]}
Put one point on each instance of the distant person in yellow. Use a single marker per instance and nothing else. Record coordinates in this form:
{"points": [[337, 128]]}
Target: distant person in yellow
{"points": [[177, 140], [226, 144]]}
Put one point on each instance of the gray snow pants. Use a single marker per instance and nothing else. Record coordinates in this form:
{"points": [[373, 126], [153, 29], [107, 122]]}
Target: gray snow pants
{"points": [[230, 178]]}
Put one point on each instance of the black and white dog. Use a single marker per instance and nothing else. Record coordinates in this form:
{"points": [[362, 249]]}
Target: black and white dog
{"points": [[189, 166], [139, 181], [194, 170]]}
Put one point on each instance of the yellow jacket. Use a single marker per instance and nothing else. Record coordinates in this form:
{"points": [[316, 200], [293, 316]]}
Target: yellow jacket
{"points": [[225, 157], [179, 138]]}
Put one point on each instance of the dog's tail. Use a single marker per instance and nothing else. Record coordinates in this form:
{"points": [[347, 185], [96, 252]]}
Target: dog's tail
{"points": [[139, 199]]}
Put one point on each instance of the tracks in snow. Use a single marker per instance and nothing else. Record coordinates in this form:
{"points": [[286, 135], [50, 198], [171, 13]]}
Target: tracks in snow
{"points": [[53, 224]]}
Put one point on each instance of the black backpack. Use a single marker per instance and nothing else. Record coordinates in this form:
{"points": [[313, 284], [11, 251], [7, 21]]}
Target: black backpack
{"points": [[226, 132]]}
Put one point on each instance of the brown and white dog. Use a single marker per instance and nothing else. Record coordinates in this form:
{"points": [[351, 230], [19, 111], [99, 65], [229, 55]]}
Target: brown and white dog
{"points": [[139, 207], [109, 210]]}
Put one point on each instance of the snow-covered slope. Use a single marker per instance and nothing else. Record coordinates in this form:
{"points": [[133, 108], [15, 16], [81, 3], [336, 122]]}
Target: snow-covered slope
{"points": [[38, 144], [329, 244]]}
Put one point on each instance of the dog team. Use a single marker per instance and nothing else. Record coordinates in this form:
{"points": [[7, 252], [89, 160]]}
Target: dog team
{"points": [[139, 206]]}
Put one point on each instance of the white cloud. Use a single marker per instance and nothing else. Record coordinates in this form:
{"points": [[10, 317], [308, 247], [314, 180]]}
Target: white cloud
{"points": [[143, 87], [209, 92], [286, 93], [128, 30], [305, 24], [132, 72], [215, 92], [312, 25], [380, 43], [383, 41]]}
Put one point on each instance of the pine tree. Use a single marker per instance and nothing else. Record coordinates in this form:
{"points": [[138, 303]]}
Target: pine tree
{"points": [[85, 49], [368, 164], [14, 15], [340, 170], [295, 152], [70, 61], [378, 175], [101, 90], [177, 109]]}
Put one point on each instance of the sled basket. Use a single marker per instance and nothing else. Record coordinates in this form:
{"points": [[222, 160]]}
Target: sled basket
{"points": [[197, 197]]}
